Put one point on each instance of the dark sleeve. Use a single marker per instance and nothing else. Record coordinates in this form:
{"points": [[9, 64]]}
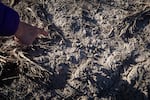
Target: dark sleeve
{"points": [[9, 20]]}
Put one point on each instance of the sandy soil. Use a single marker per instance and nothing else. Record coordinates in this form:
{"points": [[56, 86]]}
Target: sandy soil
{"points": [[95, 50]]}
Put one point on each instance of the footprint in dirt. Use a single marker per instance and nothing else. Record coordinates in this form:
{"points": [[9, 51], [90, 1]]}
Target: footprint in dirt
{"points": [[8, 72], [59, 79], [137, 23], [113, 85]]}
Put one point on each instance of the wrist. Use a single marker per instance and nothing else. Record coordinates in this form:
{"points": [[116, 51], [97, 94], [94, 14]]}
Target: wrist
{"points": [[19, 29]]}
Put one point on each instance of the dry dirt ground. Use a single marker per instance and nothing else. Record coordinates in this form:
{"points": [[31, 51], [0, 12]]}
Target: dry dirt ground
{"points": [[95, 50]]}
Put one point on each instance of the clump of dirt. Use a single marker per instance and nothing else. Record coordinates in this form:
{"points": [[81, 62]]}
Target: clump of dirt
{"points": [[96, 49]]}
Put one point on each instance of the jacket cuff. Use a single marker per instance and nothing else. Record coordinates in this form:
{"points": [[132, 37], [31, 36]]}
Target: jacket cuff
{"points": [[9, 21]]}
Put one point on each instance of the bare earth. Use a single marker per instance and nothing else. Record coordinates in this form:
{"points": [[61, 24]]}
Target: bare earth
{"points": [[95, 50]]}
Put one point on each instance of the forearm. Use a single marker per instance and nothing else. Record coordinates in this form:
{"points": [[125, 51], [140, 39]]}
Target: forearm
{"points": [[9, 21]]}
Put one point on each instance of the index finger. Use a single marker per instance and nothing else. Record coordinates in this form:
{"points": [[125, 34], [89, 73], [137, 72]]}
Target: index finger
{"points": [[41, 31]]}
